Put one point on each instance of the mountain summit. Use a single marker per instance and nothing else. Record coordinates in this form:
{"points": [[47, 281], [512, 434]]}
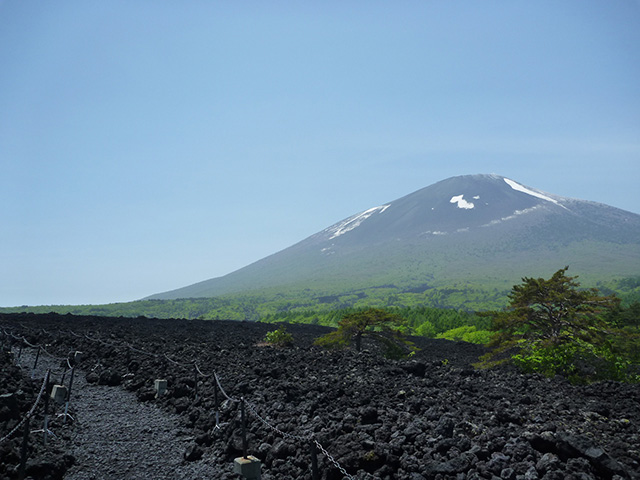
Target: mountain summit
{"points": [[483, 230]]}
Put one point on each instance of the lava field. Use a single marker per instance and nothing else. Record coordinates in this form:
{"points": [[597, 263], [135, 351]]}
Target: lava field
{"points": [[433, 416]]}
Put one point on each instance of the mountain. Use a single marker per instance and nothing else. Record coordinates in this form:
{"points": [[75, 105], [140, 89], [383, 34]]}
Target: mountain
{"points": [[483, 231]]}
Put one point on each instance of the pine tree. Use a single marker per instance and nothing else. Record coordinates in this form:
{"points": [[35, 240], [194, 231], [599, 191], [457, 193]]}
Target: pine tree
{"points": [[554, 327], [382, 326]]}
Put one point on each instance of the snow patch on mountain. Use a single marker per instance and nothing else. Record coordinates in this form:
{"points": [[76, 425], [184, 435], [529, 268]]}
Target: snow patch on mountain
{"points": [[515, 214], [523, 189], [353, 221], [462, 203]]}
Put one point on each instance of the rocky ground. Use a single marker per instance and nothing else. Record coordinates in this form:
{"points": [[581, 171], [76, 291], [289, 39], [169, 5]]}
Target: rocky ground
{"points": [[430, 417]]}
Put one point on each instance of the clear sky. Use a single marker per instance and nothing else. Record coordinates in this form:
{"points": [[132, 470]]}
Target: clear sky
{"points": [[148, 145]]}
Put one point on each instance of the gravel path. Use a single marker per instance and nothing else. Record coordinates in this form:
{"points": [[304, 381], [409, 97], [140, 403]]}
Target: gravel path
{"points": [[118, 437], [115, 436]]}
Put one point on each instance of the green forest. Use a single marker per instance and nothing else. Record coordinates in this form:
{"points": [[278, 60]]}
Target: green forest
{"points": [[449, 312], [324, 308]]}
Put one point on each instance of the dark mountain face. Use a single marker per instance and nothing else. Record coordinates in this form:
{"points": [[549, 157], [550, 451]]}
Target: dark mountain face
{"points": [[462, 229], [455, 205]]}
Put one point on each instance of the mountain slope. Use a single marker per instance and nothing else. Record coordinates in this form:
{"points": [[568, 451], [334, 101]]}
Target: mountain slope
{"points": [[472, 229]]}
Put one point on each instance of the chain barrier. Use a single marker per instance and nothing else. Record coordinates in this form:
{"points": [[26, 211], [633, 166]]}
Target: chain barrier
{"points": [[332, 460], [253, 411], [308, 438]]}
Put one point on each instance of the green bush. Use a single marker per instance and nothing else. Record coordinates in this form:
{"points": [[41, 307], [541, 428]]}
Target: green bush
{"points": [[279, 338], [579, 362], [468, 333], [426, 329]]}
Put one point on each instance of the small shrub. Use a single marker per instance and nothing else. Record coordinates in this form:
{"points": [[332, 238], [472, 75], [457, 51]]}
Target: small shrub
{"points": [[279, 337], [480, 337], [468, 334], [426, 329], [385, 328]]}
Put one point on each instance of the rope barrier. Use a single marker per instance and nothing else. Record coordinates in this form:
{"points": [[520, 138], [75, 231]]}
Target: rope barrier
{"points": [[29, 414], [200, 371], [27, 342], [177, 363], [60, 372], [51, 355], [222, 390], [308, 438], [143, 352]]}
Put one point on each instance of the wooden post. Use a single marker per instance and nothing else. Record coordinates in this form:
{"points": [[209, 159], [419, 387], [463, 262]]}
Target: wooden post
{"points": [[244, 429], [23, 451], [66, 407], [315, 474], [45, 428], [195, 375], [215, 403], [35, 363]]}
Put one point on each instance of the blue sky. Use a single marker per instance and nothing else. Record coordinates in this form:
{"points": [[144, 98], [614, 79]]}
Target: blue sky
{"points": [[148, 145]]}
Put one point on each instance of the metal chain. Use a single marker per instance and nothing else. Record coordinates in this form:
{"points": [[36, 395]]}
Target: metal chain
{"points": [[252, 410], [299, 438], [332, 460]]}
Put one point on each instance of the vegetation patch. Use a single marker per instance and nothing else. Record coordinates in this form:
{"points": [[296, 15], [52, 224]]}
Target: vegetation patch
{"points": [[279, 338], [385, 328], [554, 327]]}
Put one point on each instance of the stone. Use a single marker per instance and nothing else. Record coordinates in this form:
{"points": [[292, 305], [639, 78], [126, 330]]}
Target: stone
{"points": [[445, 427], [249, 467], [110, 378], [59, 394], [549, 461], [160, 386], [193, 452], [581, 446]]}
